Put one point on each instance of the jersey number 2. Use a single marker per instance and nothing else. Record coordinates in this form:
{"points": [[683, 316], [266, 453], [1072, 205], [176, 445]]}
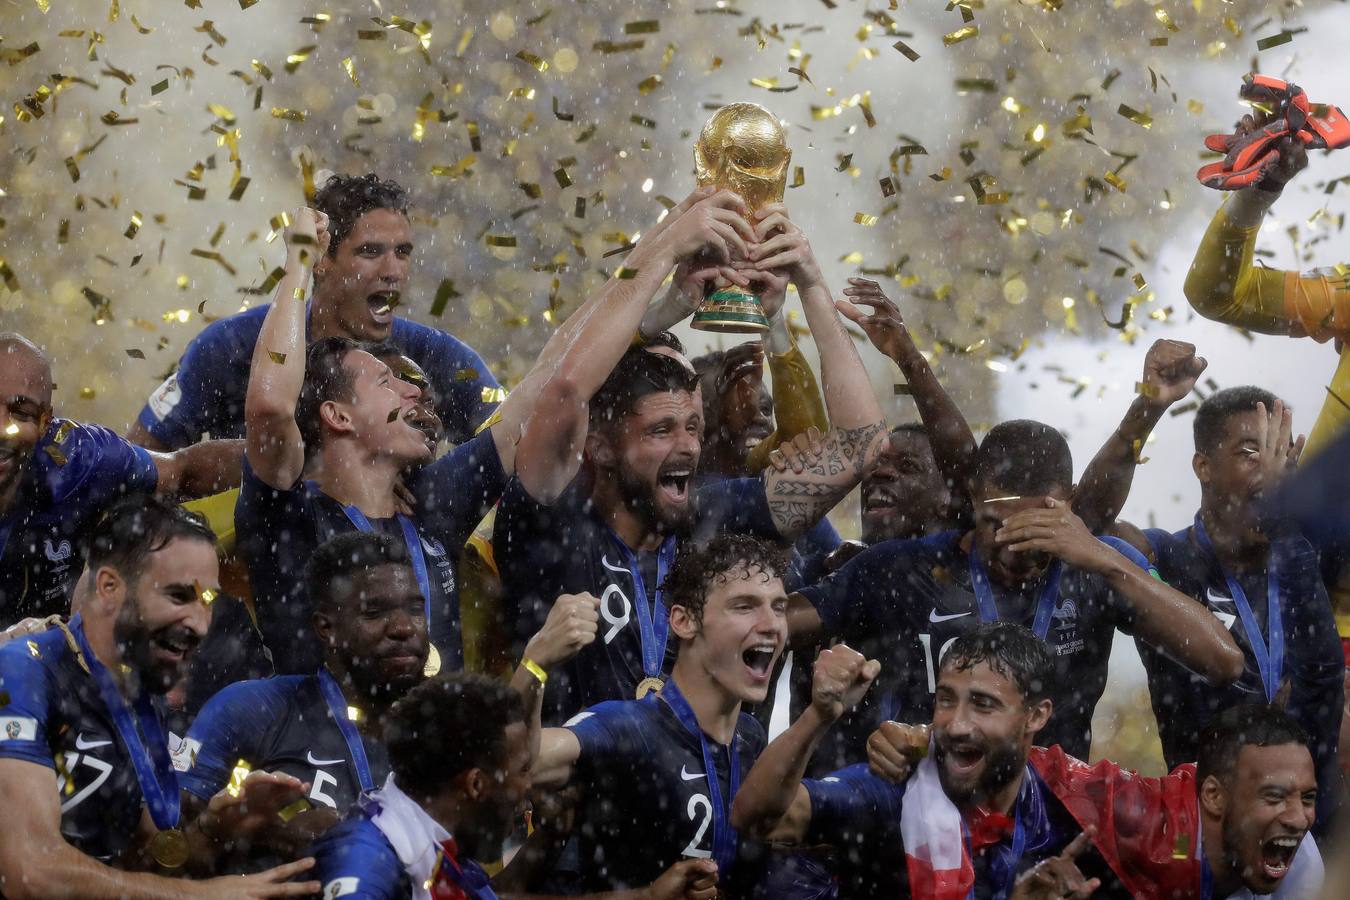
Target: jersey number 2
{"points": [[699, 803]]}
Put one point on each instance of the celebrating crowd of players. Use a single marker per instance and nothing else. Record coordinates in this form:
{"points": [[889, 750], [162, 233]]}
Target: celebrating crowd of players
{"points": [[663, 675]]}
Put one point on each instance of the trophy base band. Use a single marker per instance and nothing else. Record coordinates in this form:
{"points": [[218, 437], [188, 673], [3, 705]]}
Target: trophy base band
{"points": [[731, 311]]}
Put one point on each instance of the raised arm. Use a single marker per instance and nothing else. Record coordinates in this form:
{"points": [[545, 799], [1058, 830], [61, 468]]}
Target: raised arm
{"points": [[595, 337], [951, 437], [275, 449], [772, 804], [570, 627], [1163, 617], [1171, 369]]}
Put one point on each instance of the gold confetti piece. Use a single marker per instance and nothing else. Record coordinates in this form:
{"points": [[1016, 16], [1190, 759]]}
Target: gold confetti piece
{"points": [[88, 393], [1143, 120], [159, 87], [564, 180], [138, 26], [134, 226], [626, 274], [278, 358], [845, 160], [445, 292], [293, 60], [645, 26], [8, 277], [135, 353], [1139, 282], [579, 211], [44, 5], [539, 63], [1145, 389], [493, 395], [864, 219], [298, 295], [295, 809], [983, 85], [457, 169], [887, 187], [239, 187], [640, 120], [959, 35], [1115, 181], [291, 115], [349, 66], [909, 52], [1275, 40], [221, 111], [500, 240], [532, 190], [865, 104], [649, 84], [214, 256], [1161, 15], [209, 28], [72, 168]]}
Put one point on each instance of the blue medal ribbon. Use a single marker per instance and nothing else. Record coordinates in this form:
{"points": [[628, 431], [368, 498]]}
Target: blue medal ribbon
{"points": [[415, 555], [653, 622], [725, 838], [1019, 846], [337, 707], [1269, 656], [147, 747], [1045, 604]]}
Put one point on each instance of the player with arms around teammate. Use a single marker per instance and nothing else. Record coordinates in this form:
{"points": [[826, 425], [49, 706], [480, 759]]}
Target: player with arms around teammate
{"points": [[81, 704], [359, 284], [57, 477]]}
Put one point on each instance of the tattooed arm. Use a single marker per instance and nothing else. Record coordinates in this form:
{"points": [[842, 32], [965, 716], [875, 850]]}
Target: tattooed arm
{"points": [[819, 473]]}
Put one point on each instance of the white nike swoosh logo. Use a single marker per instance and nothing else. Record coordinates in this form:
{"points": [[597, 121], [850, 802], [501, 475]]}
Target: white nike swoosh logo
{"points": [[935, 618], [688, 776], [82, 744], [309, 757], [1214, 598]]}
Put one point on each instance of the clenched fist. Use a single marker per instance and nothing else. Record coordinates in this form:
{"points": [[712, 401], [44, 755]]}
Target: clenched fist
{"points": [[841, 678], [571, 626]]}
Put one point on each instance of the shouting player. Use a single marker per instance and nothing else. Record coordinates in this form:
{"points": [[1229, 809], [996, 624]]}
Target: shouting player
{"points": [[80, 703]]}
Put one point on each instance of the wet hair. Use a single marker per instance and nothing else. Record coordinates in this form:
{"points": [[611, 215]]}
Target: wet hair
{"points": [[447, 725], [699, 566], [135, 527], [326, 378], [1024, 457], [1012, 651], [1245, 725], [638, 373], [346, 198], [329, 572], [1211, 419], [387, 352], [667, 339]]}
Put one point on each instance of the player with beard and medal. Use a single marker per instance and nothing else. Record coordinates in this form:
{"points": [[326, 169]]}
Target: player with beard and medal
{"points": [[82, 701], [658, 775], [313, 744], [359, 287], [332, 433], [58, 476], [611, 527], [1028, 559], [1260, 577]]}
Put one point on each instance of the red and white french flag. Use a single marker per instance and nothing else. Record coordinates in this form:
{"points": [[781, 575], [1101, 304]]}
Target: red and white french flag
{"points": [[935, 848]]}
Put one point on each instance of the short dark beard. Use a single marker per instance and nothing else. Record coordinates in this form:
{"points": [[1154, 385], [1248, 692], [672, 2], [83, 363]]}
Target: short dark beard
{"points": [[133, 642], [640, 498], [1003, 762]]}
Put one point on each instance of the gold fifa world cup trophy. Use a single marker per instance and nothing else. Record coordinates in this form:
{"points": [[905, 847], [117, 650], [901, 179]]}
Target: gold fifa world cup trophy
{"points": [[743, 148]]}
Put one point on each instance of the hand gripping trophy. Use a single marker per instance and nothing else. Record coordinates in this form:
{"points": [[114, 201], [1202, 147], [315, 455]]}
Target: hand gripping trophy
{"points": [[742, 148]]}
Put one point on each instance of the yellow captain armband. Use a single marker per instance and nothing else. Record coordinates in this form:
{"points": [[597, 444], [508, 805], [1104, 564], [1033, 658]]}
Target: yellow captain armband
{"points": [[535, 669]]}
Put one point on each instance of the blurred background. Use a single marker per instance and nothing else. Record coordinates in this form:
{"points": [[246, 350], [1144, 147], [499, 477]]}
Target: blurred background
{"points": [[1018, 175]]}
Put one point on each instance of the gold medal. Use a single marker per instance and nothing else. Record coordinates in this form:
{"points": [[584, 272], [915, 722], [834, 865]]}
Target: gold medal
{"points": [[433, 663], [647, 685], [169, 847]]}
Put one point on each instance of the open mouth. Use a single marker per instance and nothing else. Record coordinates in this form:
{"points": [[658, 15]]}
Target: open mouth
{"points": [[382, 305], [755, 436], [674, 484], [879, 501], [759, 660], [175, 646], [963, 760], [1277, 855]]}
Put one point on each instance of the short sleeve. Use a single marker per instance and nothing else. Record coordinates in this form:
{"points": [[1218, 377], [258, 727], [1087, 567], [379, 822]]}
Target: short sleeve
{"points": [[354, 860], [95, 465], [1123, 612], [179, 411], [853, 806], [456, 491], [739, 505], [261, 508], [605, 731], [23, 719], [229, 728]]}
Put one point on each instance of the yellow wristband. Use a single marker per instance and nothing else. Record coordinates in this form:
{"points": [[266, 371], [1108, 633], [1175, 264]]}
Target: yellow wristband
{"points": [[535, 669]]}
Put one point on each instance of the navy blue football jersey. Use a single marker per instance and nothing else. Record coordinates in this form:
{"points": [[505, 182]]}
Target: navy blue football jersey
{"points": [[206, 393], [279, 724], [52, 715], [545, 551], [280, 530], [77, 471], [905, 602], [1313, 662], [355, 859], [647, 798]]}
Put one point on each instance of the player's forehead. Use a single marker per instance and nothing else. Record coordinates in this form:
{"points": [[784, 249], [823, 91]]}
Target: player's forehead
{"points": [[380, 226], [965, 678], [391, 582], [1240, 428], [182, 562], [746, 582], [1284, 767], [24, 374]]}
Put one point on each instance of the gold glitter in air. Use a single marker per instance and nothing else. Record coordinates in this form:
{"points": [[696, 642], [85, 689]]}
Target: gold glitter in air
{"points": [[1115, 181], [278, 358], [291, 115], [625, 273], [1143, 120], [645, 26], [295, 58], [444, 294], [8, 277], [349, 66], [909, 52], [1275, 40], [864, 219], [205, 594], [493, 395], [1161, 15], [959, 35], [456, 170], [537, 62]]}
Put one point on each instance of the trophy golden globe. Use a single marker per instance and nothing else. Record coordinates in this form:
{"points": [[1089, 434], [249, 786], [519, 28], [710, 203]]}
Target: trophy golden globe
{"points": [[742, 148]]}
